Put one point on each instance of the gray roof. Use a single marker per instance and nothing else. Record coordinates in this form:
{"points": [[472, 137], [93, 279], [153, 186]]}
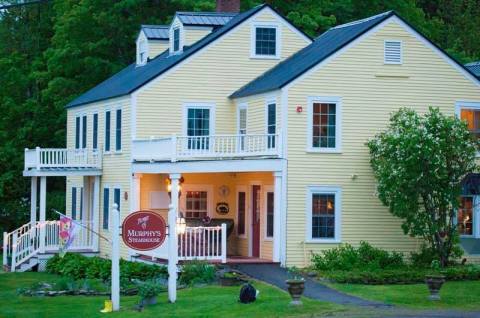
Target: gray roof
{"points": [[155, 32], [474, 67], [132, 77], [214, 19], [324, 46]]}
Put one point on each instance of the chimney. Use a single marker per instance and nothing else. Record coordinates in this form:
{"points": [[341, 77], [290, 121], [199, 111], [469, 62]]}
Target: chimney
{"points": [[228, 5]]}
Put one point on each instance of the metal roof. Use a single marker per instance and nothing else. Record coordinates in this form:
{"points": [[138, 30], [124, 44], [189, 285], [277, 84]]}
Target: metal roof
{"points": [[474, 67], [324, 46], [132, 77], [205, 18], [155, 32]]}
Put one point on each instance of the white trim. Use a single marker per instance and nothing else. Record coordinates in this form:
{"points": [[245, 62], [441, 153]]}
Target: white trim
{"points": [[241, 188], [266, 190], [176, 24], [196, 187], [400, 62], [211, 106], [142, 37], [264, 165], [338, 123], [337, 191], [459, 105], [278, 39]]}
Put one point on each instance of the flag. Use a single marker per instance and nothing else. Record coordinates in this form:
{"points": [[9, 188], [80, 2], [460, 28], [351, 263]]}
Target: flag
{"points": [[66, 234]]}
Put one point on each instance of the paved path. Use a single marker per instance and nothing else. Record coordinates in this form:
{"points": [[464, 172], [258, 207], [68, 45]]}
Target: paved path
{"points": [[275, 275]]}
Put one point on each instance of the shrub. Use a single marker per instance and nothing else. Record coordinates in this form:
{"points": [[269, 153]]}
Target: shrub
{"points": [[78, 267], [346, 257], [196, 272], [149, 289]]}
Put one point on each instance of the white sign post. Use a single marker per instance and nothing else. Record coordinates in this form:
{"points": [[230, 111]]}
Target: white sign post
{"points": [[115, 258], [172, 254]]}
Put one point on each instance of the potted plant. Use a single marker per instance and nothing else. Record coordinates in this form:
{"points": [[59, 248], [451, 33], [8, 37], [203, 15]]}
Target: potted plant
{"points": [[230, 279], [435, 281], [296, 285], [148, 292]]}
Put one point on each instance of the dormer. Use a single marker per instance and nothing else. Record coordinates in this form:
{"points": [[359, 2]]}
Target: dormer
{"points": [[152, 40]]}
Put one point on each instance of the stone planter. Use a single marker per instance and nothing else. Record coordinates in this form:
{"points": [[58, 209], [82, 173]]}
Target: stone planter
{"points": [[295, 289], [434, 283]]}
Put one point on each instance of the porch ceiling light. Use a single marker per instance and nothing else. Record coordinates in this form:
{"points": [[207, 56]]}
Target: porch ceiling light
{"points": [[168, 181]]}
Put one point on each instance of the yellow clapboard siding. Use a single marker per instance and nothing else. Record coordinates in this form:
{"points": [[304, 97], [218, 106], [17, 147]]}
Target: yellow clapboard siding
{"points": [[156, 47], [367, 103], [193, 34]]}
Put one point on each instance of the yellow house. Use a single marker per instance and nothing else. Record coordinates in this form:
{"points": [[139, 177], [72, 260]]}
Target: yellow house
{"points": [[243, 120]]}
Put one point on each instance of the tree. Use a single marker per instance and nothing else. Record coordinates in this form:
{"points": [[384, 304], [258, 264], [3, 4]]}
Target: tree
{"points": [[419, 163]]}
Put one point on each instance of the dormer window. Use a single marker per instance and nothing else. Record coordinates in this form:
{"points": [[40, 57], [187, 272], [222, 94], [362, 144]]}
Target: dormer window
{"points": [[142, 52], [265, 41], [176, 40]]}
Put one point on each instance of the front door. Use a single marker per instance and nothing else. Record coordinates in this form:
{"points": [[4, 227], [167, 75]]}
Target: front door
{"points": [[256, 221]]}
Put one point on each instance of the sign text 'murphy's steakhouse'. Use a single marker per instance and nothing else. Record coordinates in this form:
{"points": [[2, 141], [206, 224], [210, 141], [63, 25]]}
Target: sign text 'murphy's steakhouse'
{"points": [[144, 230]]}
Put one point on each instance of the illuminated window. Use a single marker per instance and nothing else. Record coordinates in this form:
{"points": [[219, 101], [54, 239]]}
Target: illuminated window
{"points": [[465, 216], [323, 214], [472, 117], [196, 204]]}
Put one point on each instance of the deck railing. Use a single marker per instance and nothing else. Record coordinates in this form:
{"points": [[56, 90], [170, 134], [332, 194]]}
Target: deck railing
{"points": [[62, 158], [177, 148]]}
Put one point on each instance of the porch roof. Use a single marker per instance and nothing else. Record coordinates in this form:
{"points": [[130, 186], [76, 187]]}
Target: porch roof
{"points": [[59, 172]]}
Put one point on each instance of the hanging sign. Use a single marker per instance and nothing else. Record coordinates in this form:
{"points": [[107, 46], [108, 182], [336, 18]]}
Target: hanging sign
{"points": [[144, 230]]}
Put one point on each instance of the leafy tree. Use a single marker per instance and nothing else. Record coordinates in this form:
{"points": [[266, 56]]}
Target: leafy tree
{"points": [[419, 163]]}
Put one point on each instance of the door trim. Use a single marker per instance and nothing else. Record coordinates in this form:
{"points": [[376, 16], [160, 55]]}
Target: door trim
{"points": [[250, 239]]}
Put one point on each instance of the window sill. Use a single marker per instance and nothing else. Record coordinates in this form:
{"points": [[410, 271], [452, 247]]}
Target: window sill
{"points": [[268, 239], [323, 241], [323, 150], [264, 57]]}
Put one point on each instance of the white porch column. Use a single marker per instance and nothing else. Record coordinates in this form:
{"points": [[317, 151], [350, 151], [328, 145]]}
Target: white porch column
{"points": [[96, 212], [33, 201], [172, 238], [43, 204], [277, 215], [85, 200]]}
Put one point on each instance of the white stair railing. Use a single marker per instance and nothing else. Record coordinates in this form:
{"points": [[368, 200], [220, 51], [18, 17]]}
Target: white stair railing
{"points": [[203, 243], [62, 158]]}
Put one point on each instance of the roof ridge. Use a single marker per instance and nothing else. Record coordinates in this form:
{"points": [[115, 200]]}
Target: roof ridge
{"points": [[352, 23], [207, 13], [473, 63], [155, 26]]}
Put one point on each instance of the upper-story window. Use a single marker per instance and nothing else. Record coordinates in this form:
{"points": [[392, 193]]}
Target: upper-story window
{"points": [[271, 124], [265, 41], [324, 125], [176, 40], [95, 132], [118, 130], [242, 125], [107, 130], [81, 132], [392, 53], [199, 126], [142, 52], [470, 113]]}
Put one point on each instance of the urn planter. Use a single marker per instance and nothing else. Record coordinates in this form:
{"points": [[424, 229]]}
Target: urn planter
{"points": [[434, 283], [295, 289]]}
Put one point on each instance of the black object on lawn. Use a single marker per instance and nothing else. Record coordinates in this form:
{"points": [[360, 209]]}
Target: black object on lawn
{"points": [[248, 294]]}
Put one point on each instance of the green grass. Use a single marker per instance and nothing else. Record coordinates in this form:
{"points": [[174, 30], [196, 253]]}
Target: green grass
{"points": [[460, 295], [210, 301]]}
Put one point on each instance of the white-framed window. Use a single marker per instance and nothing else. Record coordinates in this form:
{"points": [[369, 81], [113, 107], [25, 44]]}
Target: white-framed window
{"points": [[118, 129], [324, 124], [324, 206], [271, 122], [196, 201], [78, 128], [393, 52], [241, 211], [95, 131], [470, 113], [269, 197], [81, 131], [142, 52], [242, 124], [265, 40], [108, 122], [199, 124], [466, 215], [106, 207], [176, 39]]}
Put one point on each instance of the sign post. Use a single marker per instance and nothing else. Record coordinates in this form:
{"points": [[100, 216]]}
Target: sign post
{"points": [[172, 254], [115, 258]]}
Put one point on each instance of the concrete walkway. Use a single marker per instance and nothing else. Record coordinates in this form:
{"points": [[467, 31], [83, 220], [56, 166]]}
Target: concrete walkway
{"points": [[275, 275]]}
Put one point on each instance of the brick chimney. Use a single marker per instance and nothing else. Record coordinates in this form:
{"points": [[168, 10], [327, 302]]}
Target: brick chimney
{"points": [[228, 5]]}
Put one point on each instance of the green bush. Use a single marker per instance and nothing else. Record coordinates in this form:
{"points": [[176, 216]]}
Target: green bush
{"points": [[78, 267], [346, 257], [197, 272], [149, 289]]}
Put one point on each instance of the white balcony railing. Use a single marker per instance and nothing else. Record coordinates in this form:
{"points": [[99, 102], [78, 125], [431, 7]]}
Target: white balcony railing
{"points": [[62, 158], [207, 147]]}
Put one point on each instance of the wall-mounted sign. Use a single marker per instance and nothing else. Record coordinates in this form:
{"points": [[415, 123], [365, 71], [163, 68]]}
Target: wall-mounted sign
{"points": [[144, 230], [222, 208]]}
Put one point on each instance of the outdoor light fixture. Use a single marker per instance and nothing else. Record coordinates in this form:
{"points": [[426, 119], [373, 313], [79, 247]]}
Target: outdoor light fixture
{"points": [[168, 181], [181, 224]]}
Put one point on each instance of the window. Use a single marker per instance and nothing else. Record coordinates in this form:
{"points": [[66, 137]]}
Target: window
{"points": [[142, 52], [176, 39], [95, 132], [84, 131], [198, 126], [196, 204], [393, 52], [116, 197], [472, 117], [77, 132], [324, 125], [271, 124], [81, 203], [241, 207], [107, 130], [323, 212], [465, 216], [242, 125], [106, 206], [118, 130], [266, 41], [74, 203], [270, 213]]}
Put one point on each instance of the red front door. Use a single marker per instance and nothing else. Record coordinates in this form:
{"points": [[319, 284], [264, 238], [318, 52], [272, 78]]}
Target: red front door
{"points": [[256, 221]]}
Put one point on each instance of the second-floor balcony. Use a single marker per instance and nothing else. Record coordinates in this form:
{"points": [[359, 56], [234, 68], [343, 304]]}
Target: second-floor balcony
{"points": [[212, 147], [56, 159]]}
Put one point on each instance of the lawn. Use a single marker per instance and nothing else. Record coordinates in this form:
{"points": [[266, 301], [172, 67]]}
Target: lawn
{"points": [[210, 301], [460, 295]]}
